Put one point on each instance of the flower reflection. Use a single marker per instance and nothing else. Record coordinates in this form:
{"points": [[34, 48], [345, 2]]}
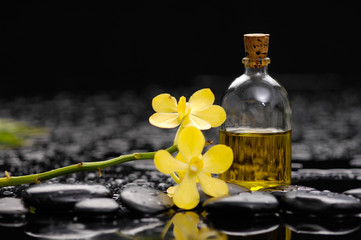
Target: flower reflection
{"points": [[189, 226]]}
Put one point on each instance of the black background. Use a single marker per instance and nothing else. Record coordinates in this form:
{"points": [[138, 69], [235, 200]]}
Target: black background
{"points": [[52, 46]]}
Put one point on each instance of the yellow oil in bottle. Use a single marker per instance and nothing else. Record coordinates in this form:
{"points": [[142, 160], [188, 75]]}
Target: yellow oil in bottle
{"points": [[262, 158]]}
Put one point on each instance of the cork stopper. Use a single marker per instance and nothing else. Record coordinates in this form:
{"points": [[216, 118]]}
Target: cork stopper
{"points": [[256, 48]]}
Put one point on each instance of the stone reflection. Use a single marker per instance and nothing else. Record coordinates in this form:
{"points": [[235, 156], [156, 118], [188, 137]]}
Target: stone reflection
{"points": [[255, 227], [280, 233], [322, 225], [64, 227]]}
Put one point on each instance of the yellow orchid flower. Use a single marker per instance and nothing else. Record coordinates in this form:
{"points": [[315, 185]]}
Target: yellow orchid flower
{"points": [[196, 166], [198, 112]]}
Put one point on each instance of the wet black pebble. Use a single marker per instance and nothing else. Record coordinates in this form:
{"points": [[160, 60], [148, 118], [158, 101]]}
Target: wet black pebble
{"points": [[234, 189], [12, 206], [243, 203], [62, 196], [282, 190], [318, 202], [96, 206], [146, 200], [356, 192], [12, 212], [326, 174]]}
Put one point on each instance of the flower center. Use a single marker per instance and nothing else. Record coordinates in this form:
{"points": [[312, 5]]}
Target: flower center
{"points": [[196, 163], [183, 108]]}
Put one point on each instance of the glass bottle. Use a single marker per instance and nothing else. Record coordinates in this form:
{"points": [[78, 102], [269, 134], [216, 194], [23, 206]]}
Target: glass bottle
{"points": [[258, 124]]}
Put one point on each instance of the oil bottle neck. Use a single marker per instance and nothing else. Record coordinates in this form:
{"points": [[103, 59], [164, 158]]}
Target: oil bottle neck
{"points": [[256, 71], [256, 66]]}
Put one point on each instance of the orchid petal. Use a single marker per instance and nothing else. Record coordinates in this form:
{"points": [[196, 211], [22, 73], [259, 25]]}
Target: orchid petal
{"points": [[191, 143], [164, 103], [212, 186], [201, 99], [180, 173], [194, 121], [164, 120], [179, 157], [217, 159], [214, 115], [167, 164], [182, 107], [186, 195]]}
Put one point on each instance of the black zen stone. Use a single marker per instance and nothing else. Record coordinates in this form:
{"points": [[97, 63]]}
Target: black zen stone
{"points": [[96, 206], [356, 192], [243, 203], [318, 202], [282, 190], [12, 212], [146, 200], [62, 196], [12, 206], [234, 189]]}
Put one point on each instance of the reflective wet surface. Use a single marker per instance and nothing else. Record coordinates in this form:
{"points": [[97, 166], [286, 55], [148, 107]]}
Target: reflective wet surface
{"points": [[186, 225]]}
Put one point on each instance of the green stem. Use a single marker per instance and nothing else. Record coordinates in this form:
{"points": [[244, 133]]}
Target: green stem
{"points": [[80, 167]]}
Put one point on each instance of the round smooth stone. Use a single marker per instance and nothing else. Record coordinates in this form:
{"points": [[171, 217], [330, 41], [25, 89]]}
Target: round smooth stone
{"points": [[12, 206], [324, 202], [62, 196], [245, 203], [282, 190], [234, 189], [98, 206], [356, 192], [12, 212], [146, 200]]}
